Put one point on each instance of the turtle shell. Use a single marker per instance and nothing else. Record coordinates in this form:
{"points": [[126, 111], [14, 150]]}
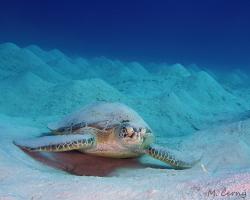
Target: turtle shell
{"points": [[100, 115]]}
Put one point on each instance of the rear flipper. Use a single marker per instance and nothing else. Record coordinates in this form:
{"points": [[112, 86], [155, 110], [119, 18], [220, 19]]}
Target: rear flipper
{"points": [[169, 157], [58, 143]]}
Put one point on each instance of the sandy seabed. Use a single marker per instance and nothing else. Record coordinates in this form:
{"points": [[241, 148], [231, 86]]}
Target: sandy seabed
{"points": [[195, 111]]}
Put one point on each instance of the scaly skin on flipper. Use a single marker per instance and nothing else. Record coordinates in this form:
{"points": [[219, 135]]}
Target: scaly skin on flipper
{"points": [[58, 143], [167, 157]]}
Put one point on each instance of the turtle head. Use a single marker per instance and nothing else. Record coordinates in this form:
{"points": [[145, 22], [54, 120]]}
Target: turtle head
{"points": [[135, 137]]}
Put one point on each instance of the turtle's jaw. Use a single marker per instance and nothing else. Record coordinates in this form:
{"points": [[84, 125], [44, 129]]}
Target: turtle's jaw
{"points": [[139, 141], [134, 138]]}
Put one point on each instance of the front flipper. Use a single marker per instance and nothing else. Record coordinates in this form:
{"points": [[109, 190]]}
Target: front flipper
{"points": [[58, 143], [170, 157]]}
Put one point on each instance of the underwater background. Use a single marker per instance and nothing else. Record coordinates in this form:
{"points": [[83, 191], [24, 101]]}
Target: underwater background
{"points": [[207, 33], [182, 65]]}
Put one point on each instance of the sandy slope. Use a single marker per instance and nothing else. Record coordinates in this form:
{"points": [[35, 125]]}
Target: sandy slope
{"points": [[225, 159], [189, 109]]}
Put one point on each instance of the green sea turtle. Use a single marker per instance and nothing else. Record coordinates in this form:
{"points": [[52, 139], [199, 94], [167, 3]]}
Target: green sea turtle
{"points": [[104, 129]]}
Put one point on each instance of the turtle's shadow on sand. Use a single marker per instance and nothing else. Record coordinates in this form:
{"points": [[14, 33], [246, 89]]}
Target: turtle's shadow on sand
{"points": [[81, 164]]}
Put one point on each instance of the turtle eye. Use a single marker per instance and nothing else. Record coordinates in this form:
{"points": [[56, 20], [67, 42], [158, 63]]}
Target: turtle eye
{"points": [[123, 132], [130, 131]]}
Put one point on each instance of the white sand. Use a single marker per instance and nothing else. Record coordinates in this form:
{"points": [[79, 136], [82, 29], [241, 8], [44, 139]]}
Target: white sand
{"points": [[37, 87]]}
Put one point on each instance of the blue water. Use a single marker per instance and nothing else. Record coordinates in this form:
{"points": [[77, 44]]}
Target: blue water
{"points": [[212, 34]]}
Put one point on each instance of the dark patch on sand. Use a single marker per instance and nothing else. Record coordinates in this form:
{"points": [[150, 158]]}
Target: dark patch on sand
{"points": [[80, 164]]}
